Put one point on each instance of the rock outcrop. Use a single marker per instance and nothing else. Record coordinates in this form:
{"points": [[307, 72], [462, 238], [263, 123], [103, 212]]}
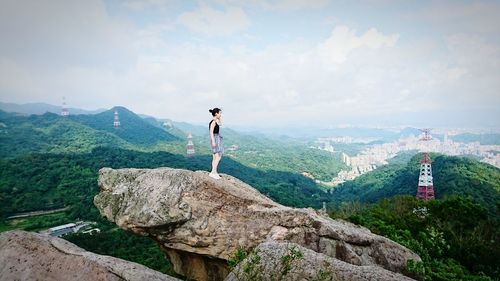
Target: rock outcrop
{"points": [[269, 261], [32, 256], [201, 222]]}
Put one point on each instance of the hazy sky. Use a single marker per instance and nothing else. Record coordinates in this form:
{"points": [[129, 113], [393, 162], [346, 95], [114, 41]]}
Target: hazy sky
{"points": [[266, 63]]}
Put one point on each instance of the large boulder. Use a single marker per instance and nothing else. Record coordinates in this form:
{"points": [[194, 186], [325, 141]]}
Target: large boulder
{"points": [[201, 222], [289, 261], [32, 256]]}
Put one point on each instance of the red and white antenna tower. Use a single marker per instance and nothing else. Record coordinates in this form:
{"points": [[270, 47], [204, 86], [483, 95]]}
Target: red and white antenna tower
{"points": [[190, 146], [425, 190], [116, 123], [64, 111]]}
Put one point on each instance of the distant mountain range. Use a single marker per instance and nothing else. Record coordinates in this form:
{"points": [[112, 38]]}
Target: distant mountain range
{"points": [[41, 108], [133, 128], [485, 139], [77, 133], [181, 129]]}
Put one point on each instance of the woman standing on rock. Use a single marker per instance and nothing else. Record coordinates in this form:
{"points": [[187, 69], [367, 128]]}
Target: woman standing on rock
{"points": [[215, 141]]}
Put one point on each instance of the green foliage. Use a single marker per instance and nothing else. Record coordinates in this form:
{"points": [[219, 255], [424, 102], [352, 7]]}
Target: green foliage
{"points": [[324, 275], [133, 128], [252, 269], [237, 257], [118, 243], [455, 237], [452, 175], [51, 133], [350, 149], [47, 181], [403, 157], [288, 260], [272, 155], [35, 223]]}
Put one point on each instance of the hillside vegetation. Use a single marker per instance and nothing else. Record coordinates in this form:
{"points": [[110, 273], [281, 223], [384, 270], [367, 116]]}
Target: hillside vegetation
{"points": [[451, 175], [455, 236], [49, 162]]}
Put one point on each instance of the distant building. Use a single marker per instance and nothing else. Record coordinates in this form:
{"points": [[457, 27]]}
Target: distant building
{"points": [[346, 159], [64, 229]]}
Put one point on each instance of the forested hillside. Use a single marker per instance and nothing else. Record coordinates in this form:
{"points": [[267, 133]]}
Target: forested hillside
{"points": [[20, 135], [452, 176], [133, 128], [36, 181], [455, 237], [49, 162]]}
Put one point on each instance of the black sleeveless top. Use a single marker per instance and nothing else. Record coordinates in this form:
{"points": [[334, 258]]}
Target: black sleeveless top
{"points": [[216, 129]]}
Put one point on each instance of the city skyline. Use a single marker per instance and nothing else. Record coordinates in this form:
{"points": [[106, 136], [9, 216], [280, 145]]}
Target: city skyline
{"points": [[266, 63]]}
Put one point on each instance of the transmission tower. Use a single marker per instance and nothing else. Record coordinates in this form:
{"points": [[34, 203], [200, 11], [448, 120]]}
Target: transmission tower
{"points": [[190, 146], [425, 190], [64, 111], [116, 122]]}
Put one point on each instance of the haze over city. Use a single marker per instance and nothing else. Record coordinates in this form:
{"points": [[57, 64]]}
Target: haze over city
{"points": [[266, 63]]}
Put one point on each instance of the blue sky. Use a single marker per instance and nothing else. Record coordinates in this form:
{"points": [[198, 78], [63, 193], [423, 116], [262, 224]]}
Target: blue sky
{"points": [[266, 63]]}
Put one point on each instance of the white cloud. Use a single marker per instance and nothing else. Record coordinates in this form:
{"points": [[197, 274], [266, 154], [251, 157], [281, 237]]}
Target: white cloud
{"points": [[281, 84], [478, 62], [213, 22], [455, 73], [273, 82], [64, 48], [95, 60], [63, 33], [150, 37], [83, 87], [472, 51], [16, 80], [343, 40]]}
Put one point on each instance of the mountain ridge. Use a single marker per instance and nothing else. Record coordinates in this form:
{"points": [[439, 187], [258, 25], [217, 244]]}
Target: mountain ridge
{"points": [[53, 133]]}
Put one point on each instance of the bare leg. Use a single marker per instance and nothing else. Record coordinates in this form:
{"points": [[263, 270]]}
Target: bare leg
{"points": [[215, 162], [219, 157]]}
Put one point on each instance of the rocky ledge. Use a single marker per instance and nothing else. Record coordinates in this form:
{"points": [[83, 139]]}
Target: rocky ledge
{"points": [[288, 261], [32, 256], [200, 222]]}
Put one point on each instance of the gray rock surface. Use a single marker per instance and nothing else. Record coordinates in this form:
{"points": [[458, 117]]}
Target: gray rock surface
{"points": [[32, 256], [202, 221], [269, 261]]}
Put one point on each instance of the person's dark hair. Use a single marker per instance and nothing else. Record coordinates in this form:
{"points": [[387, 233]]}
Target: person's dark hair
{"points": [[214, 111]]}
